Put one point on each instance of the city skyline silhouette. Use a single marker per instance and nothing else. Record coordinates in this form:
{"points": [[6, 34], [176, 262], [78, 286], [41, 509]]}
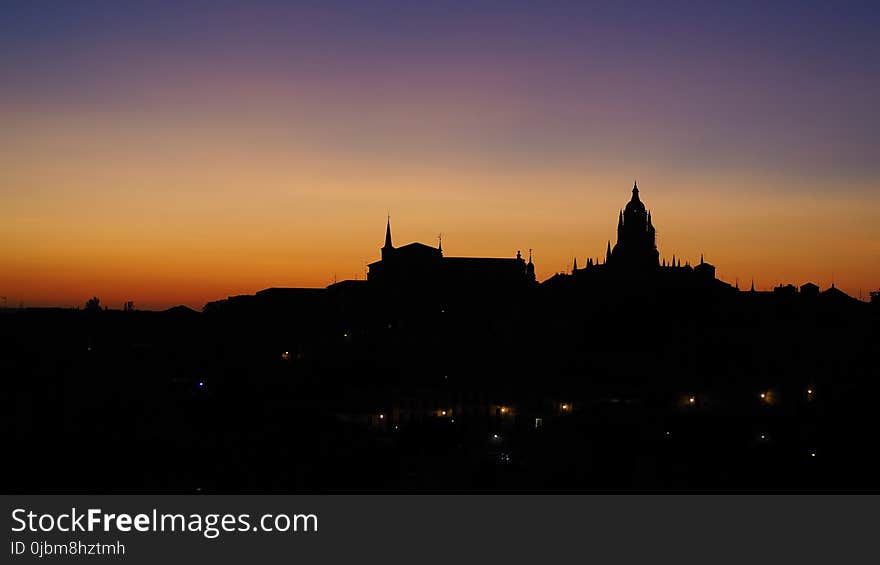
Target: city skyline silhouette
{"points": [[440, 373], [181, 154], [399, 246], [641, 221]]}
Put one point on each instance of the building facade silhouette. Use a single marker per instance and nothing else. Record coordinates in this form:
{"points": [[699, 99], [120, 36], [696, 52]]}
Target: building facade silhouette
{"points": [[419, 265], [636, 247]]}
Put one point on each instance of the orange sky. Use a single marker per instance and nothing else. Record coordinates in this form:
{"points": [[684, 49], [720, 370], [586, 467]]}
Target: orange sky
{"points": [[169, 157], [135, 213]]}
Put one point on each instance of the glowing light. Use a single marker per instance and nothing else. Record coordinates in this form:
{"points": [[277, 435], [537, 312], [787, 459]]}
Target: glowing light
{"points": [[201, 384], [443, 412], [692, 400], [565, 407], [504, 409], [763, 395], [812, 454], [809, 391], [381, 416]]}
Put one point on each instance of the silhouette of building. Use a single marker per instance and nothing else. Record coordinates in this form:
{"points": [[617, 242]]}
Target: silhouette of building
{"points": [[809, 289], [416, 265], [634, 261], [636, 247]]}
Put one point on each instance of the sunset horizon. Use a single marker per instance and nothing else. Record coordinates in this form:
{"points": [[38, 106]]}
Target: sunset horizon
{"points": [[184, 154], [271, 262], [151, 297]]}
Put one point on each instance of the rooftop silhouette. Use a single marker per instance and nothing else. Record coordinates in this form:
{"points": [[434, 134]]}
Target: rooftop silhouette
{"points": [[457, 373]]}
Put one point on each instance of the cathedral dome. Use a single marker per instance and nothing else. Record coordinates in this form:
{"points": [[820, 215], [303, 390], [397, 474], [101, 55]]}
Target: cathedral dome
{"points": [[635, 205]]}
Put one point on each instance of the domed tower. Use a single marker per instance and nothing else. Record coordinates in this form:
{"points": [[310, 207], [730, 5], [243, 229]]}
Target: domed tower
{"points": [[636, 246]]}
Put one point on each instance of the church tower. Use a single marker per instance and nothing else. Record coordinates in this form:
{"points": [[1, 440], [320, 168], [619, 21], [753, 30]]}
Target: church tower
{"points": [[636, 247], [387, 249]]}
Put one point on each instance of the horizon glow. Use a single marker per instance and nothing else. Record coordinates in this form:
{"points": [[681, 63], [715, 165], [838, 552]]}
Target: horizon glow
{"points": [[181, 154]]}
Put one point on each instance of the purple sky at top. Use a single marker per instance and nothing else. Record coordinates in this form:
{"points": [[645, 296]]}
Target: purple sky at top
{"points": [[727, 84]]}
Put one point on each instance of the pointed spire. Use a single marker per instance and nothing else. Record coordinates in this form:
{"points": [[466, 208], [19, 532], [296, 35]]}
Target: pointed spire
{"points": [[753, 285], [620, 220], [575, 266], [440, 242], [608, 251], [635, 190], [530, 255], [701, 258], [388, 234]]}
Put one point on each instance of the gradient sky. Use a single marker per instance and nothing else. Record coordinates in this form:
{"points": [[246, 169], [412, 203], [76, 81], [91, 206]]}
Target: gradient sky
{"points": [[181, 152]]}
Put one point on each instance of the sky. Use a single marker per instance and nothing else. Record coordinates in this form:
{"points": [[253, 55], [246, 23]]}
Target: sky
{"points": [[180, 152]]}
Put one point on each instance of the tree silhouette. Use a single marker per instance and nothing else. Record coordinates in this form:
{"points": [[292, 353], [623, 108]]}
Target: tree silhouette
{"points": [[93, 304]]}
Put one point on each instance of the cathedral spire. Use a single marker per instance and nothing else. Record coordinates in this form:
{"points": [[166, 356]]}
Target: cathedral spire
{"points": [[388, 234], [608, 251], [575, 266], [635, 190]]}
